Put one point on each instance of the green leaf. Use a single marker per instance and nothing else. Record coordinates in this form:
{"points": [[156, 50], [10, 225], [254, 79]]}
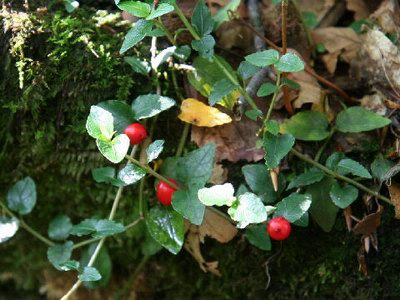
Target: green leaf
{"points": [[188, 205], [21, 197], [103, 265], [8, 228], [303, 221], [150, 246], [290, 83], [259, 181], [246, 70], [154, 150], [343, 196], [309, 177], [310, 19], [60, 254], [222, 14], [381, 166], [266, 89], [276, 147], [289, 62], [205, 46], [136, 34], [162, 9], [146, 106], [182, 52], [97, 228], [333, 160], [100, 124], [169, 167], [70, 265], [358, 119], [347, 166], [166, 226], [116, 149], [121, 112], [202, 20], [131, 174], [195, 169], [272, 126], [253, 114], [218, 195], [308, 126], [89, 274], [263, 58], [105, 174], [257, 236], [221, 89], [322, 208], [248, 209], [59, 228], [293, 207], [136, 8], [137, 65]]}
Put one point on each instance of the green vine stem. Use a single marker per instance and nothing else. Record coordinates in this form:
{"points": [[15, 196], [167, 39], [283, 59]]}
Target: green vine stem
{"points": [[274, 97], [341, 177], [26, 226]]}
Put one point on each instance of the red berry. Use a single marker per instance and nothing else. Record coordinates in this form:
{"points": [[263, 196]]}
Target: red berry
{"points": [[136, 133], [164, 192], [279, 228]]}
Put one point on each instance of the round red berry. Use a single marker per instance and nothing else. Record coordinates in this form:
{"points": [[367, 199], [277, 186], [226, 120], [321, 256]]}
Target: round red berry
{"points": [[136, 133], [279, 228], [164, 192]]}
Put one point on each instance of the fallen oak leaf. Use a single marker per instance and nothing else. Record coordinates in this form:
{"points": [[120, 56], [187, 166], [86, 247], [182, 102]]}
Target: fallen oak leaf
{"points": [[197, 113]]}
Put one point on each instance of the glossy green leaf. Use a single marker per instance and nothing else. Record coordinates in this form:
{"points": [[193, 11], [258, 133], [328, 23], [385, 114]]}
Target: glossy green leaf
{"points": [[137, 65], [136, 34], [246, 70], [116, 149], [276, 147], [160, 10], [89, 274], [103, 265], [166, 226], [146, 106], [202, 20], [346, 166], [263, 58], [358, 119], [222, 14], [381, 166], [266, 89], [289, 62], [195, 169], [100, 123], [343, 196], [136, 8], [218, 195], [333, 160], [293, 207], [303, 221], [221, 89], [259, 181], [308, 126], [154, 150], [131, 174], [150, 246], [21, 197], [8, 228], [248, 209], [59, 228], [205, 46], [60, 254], [121, 112], [309, 177], [97, 228], [322, 209], [188, 205], [70, 265], [257, 236]]}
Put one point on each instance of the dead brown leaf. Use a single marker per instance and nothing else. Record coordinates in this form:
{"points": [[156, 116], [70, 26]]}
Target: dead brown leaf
{"points": [[387, 16], [347, 216], [375, 103], [234, 141], [394, 191], [219, 174], [359, 8], [361, 261], [310, 90], [369, 223]]}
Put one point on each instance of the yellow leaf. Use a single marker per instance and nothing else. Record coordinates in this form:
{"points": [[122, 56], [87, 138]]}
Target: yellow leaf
{"points": [[197, 113]]}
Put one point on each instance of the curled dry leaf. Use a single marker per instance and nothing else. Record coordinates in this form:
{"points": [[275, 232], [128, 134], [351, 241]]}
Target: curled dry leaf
{"points": [[369, 223], [387, 16], [310, 90], [361, 261], [234, 141], [394, 191], [197, 113], [341, 41], [347, 216], [215, 227]]}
